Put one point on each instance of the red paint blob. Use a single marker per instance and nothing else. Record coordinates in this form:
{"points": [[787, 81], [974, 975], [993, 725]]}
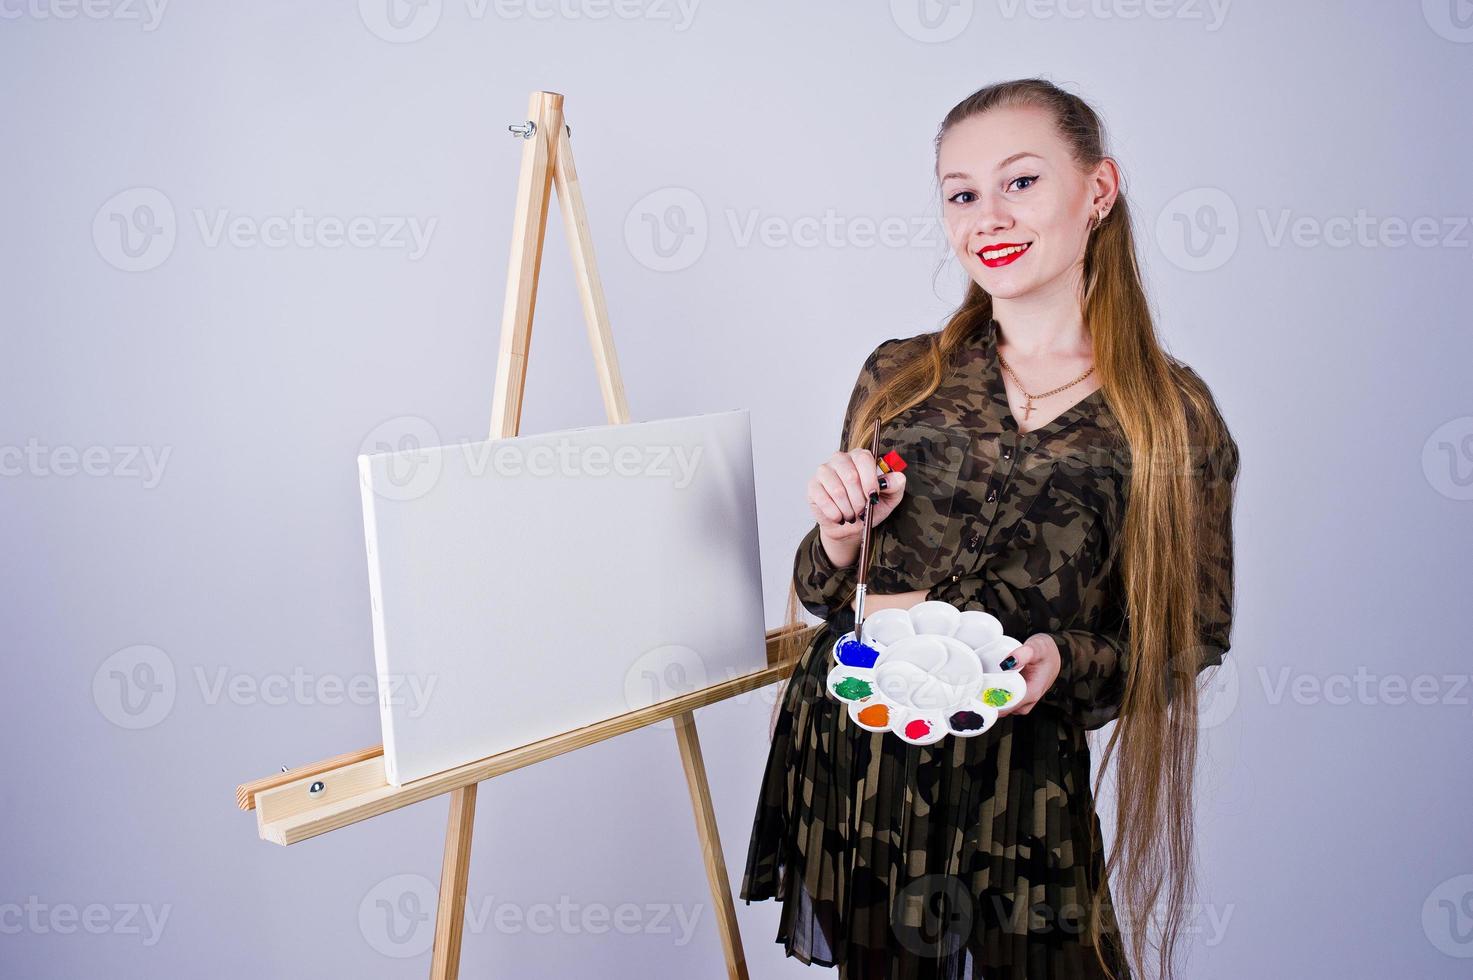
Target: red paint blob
{"points": [[919, 728]]}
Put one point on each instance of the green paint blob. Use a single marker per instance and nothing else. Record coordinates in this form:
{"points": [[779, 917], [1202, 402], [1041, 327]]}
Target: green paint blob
{"points": [[997, 696], [853, 689]]}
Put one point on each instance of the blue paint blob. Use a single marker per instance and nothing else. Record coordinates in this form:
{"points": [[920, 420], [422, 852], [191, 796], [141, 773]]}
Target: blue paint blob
{"points": [[852, 653]]}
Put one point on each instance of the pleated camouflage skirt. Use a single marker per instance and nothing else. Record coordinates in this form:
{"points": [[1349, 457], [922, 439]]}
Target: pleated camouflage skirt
{"points": [[974, 857]]}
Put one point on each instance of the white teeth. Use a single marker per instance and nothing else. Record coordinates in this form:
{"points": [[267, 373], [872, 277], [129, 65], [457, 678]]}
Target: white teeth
{"points": [[998, 253]]}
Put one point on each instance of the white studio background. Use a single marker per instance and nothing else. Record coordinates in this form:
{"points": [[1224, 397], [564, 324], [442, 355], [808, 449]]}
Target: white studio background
{"points": [[241, 242]]}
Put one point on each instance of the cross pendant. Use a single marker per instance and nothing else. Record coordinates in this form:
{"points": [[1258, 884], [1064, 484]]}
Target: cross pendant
{"points": [[1027, 409]]}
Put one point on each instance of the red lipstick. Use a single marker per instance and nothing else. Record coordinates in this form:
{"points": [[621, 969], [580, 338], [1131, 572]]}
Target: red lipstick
{"points": [[996, 263]]}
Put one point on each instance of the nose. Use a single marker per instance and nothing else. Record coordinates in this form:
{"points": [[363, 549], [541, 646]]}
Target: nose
{"points": [[990, 217]]}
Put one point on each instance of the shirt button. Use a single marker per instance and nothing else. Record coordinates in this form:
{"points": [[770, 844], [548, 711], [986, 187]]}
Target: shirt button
{"points": [[991, 496], [956, 578], [1007, 453]]}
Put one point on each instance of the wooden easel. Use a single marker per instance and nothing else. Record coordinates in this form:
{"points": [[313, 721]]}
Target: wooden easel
{"points": [[310, 800]]}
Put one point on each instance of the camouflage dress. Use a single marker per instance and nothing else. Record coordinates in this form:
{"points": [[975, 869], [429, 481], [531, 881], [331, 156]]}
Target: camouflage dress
{"points": [[973, 857]]}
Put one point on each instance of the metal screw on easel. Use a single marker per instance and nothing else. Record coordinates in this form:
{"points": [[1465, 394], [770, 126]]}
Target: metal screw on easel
{"points": [[527, 129], [317, 788]]}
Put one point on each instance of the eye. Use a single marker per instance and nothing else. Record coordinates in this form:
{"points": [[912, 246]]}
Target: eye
{"points": [[953, 198], [1031, 178]]}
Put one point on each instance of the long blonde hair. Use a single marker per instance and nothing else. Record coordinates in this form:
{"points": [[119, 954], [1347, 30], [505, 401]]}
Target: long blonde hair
{"points": [[1165, 413]]}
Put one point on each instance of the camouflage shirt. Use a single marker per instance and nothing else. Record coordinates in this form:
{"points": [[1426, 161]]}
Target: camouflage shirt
{"points": [[1022, 525]]}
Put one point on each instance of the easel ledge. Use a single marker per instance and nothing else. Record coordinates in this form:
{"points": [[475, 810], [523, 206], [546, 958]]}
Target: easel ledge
{"points": [[354, 788]]}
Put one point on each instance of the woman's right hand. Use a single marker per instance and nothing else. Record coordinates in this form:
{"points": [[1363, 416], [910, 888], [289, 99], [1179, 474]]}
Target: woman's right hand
{"points": [[837, 495]]}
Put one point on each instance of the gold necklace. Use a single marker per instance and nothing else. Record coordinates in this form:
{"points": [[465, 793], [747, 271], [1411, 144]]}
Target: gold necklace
{"points": [[1028, 408]]}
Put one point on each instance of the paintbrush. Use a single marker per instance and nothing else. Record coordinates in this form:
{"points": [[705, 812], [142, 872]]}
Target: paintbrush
{"points": [[869, 511]]}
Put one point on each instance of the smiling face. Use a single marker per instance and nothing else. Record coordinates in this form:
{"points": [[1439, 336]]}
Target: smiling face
{"points": [[1016, 208]]}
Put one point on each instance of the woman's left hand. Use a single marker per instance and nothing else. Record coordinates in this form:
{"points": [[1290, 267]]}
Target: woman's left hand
{"points": [[1038, 660]]}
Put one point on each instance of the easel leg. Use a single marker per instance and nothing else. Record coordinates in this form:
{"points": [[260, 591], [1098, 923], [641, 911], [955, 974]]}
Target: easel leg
{"points": [[700, 796], [454, 876]]}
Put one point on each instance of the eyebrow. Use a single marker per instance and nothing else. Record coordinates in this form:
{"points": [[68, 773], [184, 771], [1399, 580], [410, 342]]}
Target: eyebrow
{"points": [[1015, 156]]}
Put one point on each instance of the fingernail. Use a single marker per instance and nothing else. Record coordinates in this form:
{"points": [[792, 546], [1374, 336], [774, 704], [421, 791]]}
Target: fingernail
{"points": [[883, 484]]}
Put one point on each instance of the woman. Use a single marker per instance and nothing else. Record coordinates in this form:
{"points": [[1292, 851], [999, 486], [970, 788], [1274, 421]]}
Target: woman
{"points": [[1069, 477]]}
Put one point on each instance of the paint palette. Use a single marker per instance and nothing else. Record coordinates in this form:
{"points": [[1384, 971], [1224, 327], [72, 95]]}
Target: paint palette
{"points": [[927, 672]]}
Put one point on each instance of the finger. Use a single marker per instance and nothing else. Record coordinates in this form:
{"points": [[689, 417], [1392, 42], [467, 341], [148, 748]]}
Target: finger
{"points": [[868, 471], [818, 502], [894, 485], [832, 484], [850, 469], [823, 508]]}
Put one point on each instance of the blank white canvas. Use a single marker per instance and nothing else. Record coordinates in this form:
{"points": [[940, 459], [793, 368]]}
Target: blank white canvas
{"points": [[530, 586]]}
